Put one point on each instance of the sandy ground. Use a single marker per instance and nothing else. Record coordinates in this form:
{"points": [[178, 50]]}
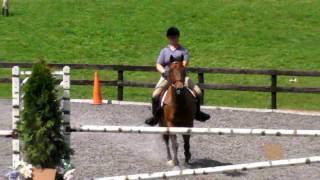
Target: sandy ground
{"points": [[99, 154]]}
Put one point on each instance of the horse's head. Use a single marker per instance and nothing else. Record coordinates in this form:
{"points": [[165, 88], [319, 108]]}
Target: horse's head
{"points": [[177, 74]]}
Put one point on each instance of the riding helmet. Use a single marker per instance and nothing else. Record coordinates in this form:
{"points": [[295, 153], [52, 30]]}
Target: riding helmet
{"points": [[173, 31]]}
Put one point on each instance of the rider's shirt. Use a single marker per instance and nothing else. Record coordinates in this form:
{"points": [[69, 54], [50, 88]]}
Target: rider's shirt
{"points": [[165, 53]]}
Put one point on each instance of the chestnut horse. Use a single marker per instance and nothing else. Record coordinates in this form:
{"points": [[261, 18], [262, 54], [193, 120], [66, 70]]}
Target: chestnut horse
{"points": [[179, 110]]}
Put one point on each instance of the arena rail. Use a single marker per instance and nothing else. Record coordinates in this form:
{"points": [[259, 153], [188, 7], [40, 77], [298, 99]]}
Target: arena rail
{"points": [[217, 169], [120, 83]]}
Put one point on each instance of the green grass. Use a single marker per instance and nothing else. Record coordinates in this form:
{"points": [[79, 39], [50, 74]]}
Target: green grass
{"points": [[243, 34]]}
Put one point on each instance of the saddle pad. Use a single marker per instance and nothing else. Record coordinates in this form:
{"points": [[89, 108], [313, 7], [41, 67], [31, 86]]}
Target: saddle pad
{"points": [[165, 94], [193, 94], [163, 98]]}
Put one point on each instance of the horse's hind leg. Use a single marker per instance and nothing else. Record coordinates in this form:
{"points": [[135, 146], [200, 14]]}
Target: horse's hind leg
{"points": [[175, 149], [166, 140], [187, 154]]}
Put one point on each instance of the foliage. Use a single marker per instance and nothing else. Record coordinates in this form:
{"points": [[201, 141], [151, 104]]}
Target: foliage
{"points": [[39, 129]]}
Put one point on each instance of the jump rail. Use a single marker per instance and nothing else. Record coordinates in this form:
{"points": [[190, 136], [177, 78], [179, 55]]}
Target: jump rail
{"points": [[218, 169], [5, 133], [200, 131], [120, 83]]}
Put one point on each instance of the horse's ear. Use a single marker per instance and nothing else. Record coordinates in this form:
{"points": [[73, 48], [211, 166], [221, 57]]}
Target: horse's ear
{"points": [[182, 57], [172, 59]]}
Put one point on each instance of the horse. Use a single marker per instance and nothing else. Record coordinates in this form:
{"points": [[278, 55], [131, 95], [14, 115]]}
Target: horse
{"points": [[179, 110], [5, 7]]}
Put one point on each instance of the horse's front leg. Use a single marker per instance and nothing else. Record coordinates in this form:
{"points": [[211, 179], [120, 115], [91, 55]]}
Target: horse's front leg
{"points": [[166, 141], [187, 154], [175, 149]]}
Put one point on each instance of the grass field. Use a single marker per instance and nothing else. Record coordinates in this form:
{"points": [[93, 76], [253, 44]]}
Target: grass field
{"points": [[243, 34]]}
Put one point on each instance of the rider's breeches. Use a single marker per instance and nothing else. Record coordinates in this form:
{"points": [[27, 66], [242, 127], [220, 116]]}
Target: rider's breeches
{"points": [[163, 84]]}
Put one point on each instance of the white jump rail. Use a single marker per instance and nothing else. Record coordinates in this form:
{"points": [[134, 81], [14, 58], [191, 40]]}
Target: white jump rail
{"points": [[55, 73], [201, 131], [5, 133], [217, 169], [17, 106]]}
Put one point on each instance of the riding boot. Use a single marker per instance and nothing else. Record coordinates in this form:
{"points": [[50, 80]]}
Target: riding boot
{"points": [[201, 116], [155, 112]]}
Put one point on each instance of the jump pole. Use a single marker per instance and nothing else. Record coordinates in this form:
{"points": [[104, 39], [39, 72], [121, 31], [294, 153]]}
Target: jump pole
{"points": [[65, 104], [217, 169], [5, 133], [16, 107], [200, 131]]}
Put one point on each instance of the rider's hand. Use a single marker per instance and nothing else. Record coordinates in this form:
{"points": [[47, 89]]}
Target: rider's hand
{"points": [[165, 74]]}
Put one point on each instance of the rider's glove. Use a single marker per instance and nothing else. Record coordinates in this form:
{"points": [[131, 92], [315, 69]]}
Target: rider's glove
{"points": [[165, 74]]}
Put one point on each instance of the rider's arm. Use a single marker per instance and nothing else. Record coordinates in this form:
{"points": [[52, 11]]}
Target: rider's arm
{"points": [[160, 62], [160, 68], [186, 57]]}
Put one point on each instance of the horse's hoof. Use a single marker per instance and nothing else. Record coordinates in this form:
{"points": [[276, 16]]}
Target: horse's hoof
{"points": [[176, 168], [187, 165], [170, 163]]}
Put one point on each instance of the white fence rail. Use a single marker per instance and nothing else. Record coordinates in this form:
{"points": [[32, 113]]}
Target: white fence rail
{"points": [[218, 169], [204, 131]]}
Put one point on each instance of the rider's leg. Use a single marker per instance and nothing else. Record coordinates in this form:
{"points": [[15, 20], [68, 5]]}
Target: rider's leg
{"points": [[200, 116], [161, 85]]}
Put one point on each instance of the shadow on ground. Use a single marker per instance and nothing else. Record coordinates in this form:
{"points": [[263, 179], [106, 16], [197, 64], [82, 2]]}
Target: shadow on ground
{"points": [[204, 163]]}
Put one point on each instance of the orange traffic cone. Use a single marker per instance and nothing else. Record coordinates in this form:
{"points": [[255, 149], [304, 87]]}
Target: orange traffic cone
{"points": [[97, 99]]}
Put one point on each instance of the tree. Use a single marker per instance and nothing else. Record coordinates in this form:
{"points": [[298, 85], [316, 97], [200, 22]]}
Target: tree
{"points": [[39, 129]]}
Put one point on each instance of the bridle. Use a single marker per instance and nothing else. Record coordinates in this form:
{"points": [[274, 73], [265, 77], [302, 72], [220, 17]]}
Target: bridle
{"points": [[173, 83]]}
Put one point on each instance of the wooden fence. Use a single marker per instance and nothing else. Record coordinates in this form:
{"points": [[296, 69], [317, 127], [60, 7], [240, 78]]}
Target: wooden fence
{"points": [[120, 83]]}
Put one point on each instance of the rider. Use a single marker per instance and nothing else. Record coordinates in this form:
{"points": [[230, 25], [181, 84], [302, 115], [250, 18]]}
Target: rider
{"points": [[162, 65]]}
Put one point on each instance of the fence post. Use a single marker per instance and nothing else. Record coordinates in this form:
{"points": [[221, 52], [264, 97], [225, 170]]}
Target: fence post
{"points": [[274, 91], [16, 106], [201, 81], [66, 104], [120, 85]]}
